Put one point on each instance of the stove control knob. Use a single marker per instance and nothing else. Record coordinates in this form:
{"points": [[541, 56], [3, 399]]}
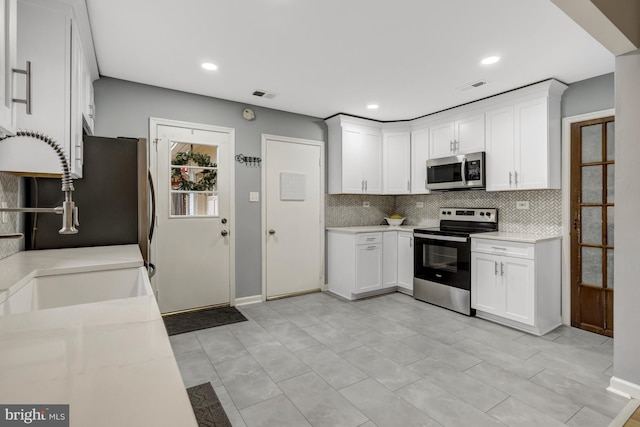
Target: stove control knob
{"points": [[448, 212], [481, 213], [488, 213]]}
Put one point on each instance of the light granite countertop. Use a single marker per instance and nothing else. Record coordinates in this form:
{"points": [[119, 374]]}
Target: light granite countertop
{"points": [[111, 361], [516, 237], [372, 228]]}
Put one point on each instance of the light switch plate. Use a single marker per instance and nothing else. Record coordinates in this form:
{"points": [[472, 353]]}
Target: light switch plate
{"points": [[522, 205], [254, 196], [419, 204]]}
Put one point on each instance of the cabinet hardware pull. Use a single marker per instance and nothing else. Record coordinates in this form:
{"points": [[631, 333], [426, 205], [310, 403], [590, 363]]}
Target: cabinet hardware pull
{"points": [[495, 271], [502, 269], [366, 185], [362, 185], [498, 248], [510, 178], [370, 248], [451, 146], [410, 242], [91, 111], [27, 96], [456, 145], [370, 238], [408, 185], [516, 177]]}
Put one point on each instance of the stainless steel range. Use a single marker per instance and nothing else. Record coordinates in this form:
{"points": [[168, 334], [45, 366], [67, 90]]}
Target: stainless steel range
{"points": [[442, 257]]}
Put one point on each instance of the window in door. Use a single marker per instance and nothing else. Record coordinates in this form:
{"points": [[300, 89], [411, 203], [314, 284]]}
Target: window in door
{"points": [[193, 174]]}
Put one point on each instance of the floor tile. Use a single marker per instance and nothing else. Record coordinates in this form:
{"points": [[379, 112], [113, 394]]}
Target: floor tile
{"points": [[505, 361], [292, 336], [221, 345], [346, 324], [444, 407], [278, 411], [245, 381], [545, 400], [183, 343], [432, 329], [321, 404], [298, 316], [512, 347], [250, 333], [601, 401], [514, 413], [592, 359], [332, 337], [335, 370], [575, 371], [367, 396], [386, 327], [389, 373], [229, 407], [391, 348], [588, 418], [196, 368], [262, 314], [278, 362], [465, 387]]}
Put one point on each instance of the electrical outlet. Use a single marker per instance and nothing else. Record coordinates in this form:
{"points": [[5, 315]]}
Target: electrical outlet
{"points": [[522, 205], [254, 196], [5, 215], [366, 204], [419, 204]]}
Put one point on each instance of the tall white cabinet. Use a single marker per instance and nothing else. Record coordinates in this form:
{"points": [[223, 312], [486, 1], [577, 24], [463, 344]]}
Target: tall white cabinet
{"points": [[516, 282], [62, 68], [8, 43]]}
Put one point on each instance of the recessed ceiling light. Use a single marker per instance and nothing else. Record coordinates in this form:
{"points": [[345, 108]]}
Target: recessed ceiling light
{"points": [[209, 66], [490, 60], [372, 106]]}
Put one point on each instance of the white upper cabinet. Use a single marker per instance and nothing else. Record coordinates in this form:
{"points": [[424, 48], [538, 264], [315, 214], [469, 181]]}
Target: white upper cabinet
{"points": [[396, 161], [355, 157], [419, 157], [523, 142], [7, 64], [461, 136], [49, 38]]}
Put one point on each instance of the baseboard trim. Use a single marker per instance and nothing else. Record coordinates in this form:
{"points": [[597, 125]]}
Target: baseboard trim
{"points": [[624, 388], [248, 300]]}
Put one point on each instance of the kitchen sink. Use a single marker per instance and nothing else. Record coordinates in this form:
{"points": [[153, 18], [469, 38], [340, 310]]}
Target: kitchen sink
{"points": [[45, 292]]}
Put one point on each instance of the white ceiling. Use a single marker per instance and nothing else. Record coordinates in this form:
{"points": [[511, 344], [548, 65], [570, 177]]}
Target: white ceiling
{"points": [[330, 56]]}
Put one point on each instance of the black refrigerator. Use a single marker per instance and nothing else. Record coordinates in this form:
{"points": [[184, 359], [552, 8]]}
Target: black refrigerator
{"points": [[114, 199]]}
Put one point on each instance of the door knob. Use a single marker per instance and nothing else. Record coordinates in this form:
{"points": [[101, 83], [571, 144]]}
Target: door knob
{"points": [[224, 232], [272, 231]]}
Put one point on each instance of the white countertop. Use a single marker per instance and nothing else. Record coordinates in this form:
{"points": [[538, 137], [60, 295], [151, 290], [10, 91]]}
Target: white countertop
{"points": [[372, 228], [110, 361], [516, 237]]}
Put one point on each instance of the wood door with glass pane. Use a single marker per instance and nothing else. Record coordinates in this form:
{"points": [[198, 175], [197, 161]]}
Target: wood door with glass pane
{"points": [[592, 205]]}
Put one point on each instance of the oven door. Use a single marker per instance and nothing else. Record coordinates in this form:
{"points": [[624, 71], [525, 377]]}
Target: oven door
{"points": [[443, 259]]}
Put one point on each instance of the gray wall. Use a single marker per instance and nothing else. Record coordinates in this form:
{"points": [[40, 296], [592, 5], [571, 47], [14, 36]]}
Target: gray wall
{"points": [[626, 296], [123, 109], [587, 96]]}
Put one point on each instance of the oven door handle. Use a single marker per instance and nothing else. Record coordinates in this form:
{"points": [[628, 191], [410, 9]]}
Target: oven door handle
{"points": [[438, 237]]}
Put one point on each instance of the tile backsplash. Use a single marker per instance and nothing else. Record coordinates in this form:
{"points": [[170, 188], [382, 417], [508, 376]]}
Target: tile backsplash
{"points": [[544, 215], [9, 186]]}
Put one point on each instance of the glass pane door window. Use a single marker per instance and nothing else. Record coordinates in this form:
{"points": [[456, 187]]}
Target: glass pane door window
{"points": [[193, 180]]}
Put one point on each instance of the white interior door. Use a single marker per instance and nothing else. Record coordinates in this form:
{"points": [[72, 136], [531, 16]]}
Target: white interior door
{"points": [[192, 250], [293, 216]]}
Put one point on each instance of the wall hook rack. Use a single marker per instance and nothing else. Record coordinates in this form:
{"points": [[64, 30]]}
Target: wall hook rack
{"points": [[249, 161]]}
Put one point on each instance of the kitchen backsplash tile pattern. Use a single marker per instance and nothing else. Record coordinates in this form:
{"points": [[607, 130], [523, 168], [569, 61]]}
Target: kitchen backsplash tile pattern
{"points": [[9, 194], [544, 215], [347, 210]]}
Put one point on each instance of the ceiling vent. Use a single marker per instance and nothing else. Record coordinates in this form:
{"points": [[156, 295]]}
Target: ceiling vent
{"points": [[473, 85], [264, 94]]}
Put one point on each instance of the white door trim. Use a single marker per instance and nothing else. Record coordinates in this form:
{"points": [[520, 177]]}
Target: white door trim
{"points": [[263, 191], [154, 122], [566, 204]]}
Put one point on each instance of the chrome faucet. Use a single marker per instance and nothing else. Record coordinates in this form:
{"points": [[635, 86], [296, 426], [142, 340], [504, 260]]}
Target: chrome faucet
{"points": [[68, 210]]}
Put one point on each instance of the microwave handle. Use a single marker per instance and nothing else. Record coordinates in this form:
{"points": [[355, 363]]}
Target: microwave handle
{"points": [[463, 169]]}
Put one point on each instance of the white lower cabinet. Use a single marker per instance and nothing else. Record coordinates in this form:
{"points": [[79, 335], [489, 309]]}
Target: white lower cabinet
{"points": [[517, 284], [363, 263], [405, 262]]}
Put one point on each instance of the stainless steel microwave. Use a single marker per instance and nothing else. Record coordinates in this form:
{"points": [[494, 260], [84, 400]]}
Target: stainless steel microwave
{"points": [[462, 172]]}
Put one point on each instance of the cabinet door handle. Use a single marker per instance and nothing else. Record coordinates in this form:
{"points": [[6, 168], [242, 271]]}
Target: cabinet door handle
{"points": [[510, 178], [497, 248], [451, 146], [410, 242], [408, 185], [495, 271], [27, 97], [362, 185], [366, 185], [370, 248], [516, 177], [91, 111], [502, 268], [456, 145]]}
